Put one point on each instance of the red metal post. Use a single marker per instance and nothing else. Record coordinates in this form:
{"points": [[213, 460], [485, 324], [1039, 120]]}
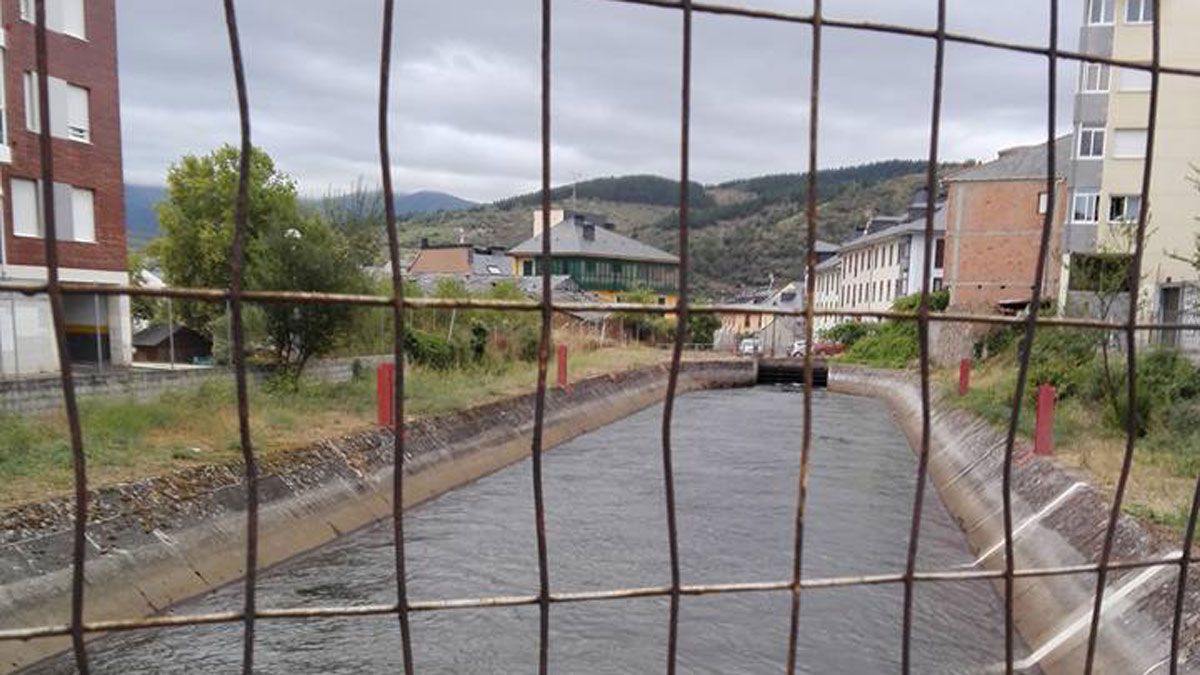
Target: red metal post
{"points": [[964, 377], [385, 390], [562, 366], [1043, 441]]}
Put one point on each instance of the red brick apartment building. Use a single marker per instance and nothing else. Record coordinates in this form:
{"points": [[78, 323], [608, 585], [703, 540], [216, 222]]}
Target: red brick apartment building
{"points": [[88, 192], [994, 217]]}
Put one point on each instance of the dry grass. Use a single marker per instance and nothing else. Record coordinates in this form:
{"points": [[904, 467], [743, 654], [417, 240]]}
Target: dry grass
{"points": [[127, 440]]}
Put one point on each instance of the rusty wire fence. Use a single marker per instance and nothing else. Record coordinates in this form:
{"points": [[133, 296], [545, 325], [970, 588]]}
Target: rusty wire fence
{"points": [[814, 25]]}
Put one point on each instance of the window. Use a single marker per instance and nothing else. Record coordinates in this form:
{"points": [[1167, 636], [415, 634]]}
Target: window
{"points": [[1094, 77], [74, 210], [1139, 11], [83, 215], [68, 109], [1043, 203], [26, 208], [939, 252], [937, 284], [1129, 143], [1085, 207], [1124, 208], [1091, 143], [1100, 12], [62, 16], [1130, 79], [527, 268]]}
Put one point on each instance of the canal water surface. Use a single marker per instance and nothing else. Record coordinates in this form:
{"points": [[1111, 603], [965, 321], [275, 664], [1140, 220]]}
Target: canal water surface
{"points": [[736, 461]]}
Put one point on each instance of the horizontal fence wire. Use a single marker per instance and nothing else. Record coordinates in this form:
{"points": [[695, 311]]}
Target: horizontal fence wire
{"points": [[55, 289], [447, 604]]}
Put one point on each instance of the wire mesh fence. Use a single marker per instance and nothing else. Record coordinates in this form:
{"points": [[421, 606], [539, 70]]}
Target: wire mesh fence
{"points": [[814, 25]]}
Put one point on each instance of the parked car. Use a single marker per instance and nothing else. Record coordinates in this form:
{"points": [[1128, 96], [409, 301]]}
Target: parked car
{"points": [[797, 349], [749, 347], [827, 348]]}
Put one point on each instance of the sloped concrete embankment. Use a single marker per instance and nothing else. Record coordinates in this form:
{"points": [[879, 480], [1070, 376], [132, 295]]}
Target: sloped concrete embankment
{"points": [[1058, 520], [160, 541]]}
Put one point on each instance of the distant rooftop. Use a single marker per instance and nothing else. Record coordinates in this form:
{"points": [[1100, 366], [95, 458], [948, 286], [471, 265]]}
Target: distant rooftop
{"points": [[578, 236], [1025, 162]]}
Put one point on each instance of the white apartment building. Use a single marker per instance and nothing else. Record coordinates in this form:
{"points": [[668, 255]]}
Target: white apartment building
{"points": [[1111, 121]]}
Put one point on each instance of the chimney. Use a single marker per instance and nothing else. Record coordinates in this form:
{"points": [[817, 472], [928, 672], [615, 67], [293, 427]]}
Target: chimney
{"points": [[589, 232], [556, 217]]}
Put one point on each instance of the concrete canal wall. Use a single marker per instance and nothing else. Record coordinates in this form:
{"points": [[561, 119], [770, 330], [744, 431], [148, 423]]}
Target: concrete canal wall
{"points": [[1058, 520], [160, 541]]}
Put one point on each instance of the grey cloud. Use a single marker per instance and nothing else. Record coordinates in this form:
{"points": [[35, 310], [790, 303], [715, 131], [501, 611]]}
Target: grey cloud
{"points": [[465, 110]]}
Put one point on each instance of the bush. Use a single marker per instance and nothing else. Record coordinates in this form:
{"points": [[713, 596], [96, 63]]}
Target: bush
{"points": [[938, 302], [891, 345], [1167, 383], [848, 333], [431, 350], [1065, 358]]}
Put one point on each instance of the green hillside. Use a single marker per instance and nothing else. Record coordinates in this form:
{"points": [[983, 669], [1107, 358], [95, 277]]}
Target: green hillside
{"points": [[742, 231]]}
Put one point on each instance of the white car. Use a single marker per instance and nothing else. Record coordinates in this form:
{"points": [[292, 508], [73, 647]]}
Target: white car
{"points": [[749, 347], [797, 348]]}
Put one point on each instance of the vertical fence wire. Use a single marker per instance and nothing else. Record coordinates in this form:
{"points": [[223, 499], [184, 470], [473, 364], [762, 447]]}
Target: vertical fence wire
{"points": [[398, 330], [547, 316], [58, 316], [1026, 348], [681, 328], [810, 214], [1181, 583], [1135, 281], [236, 346], [931, 188]]}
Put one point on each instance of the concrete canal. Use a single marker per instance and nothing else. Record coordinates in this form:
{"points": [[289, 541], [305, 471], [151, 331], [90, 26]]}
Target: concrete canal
{"points": [[736, 462]]}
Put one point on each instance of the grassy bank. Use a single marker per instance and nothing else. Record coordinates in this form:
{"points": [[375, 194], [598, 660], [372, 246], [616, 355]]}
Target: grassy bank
{"points": [[1090, 415], [126, 440]]}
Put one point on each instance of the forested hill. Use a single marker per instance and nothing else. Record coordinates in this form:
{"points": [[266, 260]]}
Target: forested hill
{"points": [[742, 231]]}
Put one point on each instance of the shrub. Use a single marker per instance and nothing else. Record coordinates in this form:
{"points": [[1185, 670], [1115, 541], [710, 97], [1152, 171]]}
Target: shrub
{"points": [[892, 345], [1063, 357], [848, 333], [429, 349], [938, 302]]}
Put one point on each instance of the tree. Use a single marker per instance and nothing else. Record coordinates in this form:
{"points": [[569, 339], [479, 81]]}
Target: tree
{"points": [[307, 255], [197, 222], [358, 215]]}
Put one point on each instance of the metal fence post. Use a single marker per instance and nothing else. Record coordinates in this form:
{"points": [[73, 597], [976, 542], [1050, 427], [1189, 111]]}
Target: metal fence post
{"points": [[384, 378], [1043, 441], [562, 367], [964, 377]]}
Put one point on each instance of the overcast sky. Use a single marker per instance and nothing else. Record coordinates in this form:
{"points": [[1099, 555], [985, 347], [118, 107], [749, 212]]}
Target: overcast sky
{"points": [[466, 86]]}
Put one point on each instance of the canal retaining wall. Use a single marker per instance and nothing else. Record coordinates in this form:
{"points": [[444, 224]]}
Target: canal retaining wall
{"points": [[156, 542], [1059, 520]]}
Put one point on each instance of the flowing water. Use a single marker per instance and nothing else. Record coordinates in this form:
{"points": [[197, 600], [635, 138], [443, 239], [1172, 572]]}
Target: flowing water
{"points": [[736, 463]]}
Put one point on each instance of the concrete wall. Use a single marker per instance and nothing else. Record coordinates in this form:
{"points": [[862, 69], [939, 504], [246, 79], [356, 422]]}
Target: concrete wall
{"points": [[45, 393], [162, 540], [1061, 522]]}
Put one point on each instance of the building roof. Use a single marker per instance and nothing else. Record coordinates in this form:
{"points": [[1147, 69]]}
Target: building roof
{"points": [[568, 238], [155, 335], [912, 226], [461, 259], [825, 247], [832, 262], [1025, 162]]}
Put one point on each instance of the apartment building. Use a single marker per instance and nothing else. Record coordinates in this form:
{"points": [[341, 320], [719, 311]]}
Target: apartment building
{"points": [[886, 259], [1111, 122], [995, 213], [827, 292], [88, 194]]}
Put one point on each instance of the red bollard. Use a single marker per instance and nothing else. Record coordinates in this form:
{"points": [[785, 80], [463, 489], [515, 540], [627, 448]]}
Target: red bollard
{"points": [[1043, 438], [385, 393], [964, 377], [562, 367]]}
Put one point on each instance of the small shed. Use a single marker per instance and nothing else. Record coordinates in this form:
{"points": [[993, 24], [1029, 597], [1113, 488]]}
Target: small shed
{"points": [[153, 344]]}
